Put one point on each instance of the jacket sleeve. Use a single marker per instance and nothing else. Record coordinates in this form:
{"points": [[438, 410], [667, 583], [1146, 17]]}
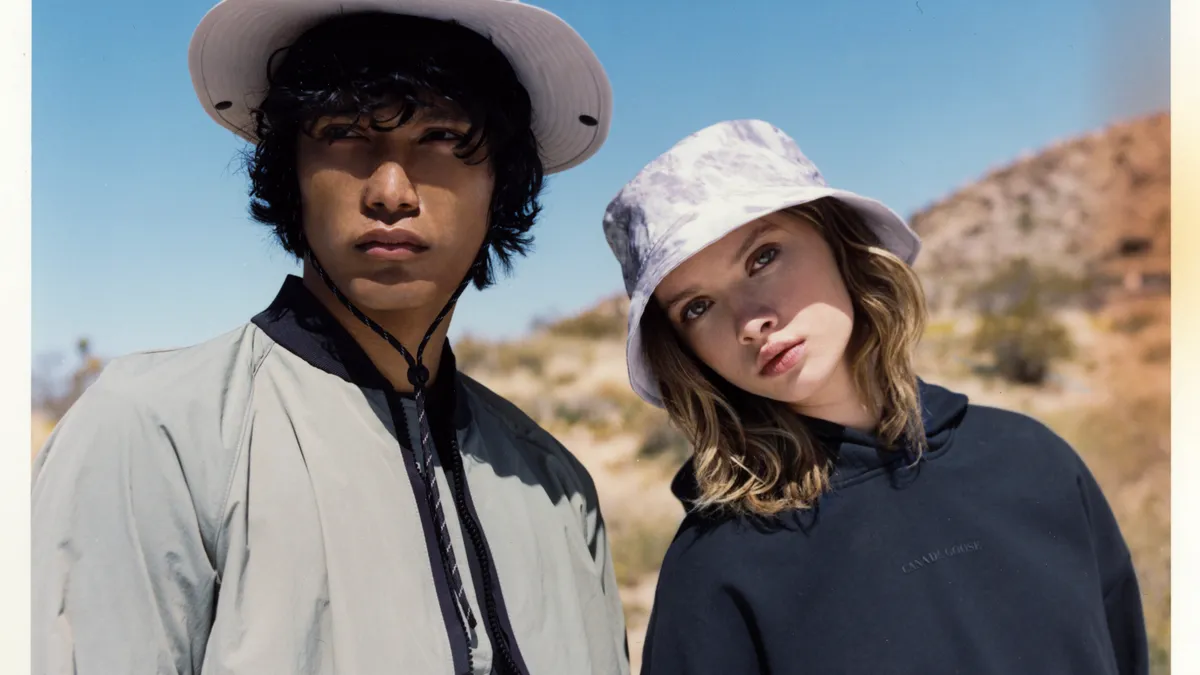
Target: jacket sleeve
{"points": [[607, 611], [613, 608], [121, 580], [700, 624], [1122, 594]]}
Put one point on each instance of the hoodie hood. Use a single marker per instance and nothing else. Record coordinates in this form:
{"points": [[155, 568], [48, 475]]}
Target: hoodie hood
{"points": [[859, 455]]}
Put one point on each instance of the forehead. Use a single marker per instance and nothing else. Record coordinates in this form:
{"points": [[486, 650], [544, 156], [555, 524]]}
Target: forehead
{"points": [[398, 110], [724, 251]]}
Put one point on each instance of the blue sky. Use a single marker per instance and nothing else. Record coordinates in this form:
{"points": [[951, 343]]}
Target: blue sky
{"points": [[140, 233]]}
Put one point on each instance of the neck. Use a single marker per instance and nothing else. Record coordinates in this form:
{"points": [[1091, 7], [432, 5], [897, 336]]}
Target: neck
{"points": [[407, 326], [840, 401]]}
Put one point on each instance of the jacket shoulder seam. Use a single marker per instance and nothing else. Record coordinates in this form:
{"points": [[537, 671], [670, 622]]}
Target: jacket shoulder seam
{"points": [[239, 450], [525, 431]]}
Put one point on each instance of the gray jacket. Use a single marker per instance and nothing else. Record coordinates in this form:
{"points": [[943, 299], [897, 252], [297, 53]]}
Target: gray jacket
{"points": [[243, 507]]}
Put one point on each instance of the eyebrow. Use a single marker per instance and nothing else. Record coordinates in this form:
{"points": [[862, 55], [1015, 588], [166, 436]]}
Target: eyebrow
{"points": [[435, 113], [690, 290], [752, 238], [440, 114]]}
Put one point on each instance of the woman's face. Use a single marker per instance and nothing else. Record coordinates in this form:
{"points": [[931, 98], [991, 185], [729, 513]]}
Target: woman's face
{"points": [[766, 308]]}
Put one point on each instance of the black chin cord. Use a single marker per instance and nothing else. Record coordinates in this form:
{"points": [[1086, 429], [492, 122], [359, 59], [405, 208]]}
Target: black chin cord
{"points": [[418, 376]]}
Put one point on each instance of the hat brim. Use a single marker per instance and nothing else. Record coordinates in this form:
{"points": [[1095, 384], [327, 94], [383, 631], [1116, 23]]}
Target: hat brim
{"points": [[893, 232], [231, 47]]}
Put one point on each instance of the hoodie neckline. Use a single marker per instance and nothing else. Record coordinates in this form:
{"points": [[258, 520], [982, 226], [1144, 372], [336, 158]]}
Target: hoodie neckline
{"points": [[297, 321], [859, 455]]}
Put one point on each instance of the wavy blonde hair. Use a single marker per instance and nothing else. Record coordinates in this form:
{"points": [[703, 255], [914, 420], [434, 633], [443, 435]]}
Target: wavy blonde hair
{"points": [[756, 456]]}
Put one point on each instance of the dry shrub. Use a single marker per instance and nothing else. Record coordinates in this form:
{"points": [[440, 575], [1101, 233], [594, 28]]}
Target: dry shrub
{"points": [[1134, 323], [605, 322], [475, 356], [592, 412], [1017, 327], [1127, 446], [564, 379], [638, 548], [520, 356], [663, 440], [1159, 352], [472, 355]]}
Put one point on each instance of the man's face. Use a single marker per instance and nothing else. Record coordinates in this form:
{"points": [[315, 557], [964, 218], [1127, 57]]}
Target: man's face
{"points": [[392, 213]]}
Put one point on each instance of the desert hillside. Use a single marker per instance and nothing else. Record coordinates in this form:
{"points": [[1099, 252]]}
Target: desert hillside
{"points": [[1096, 207], [1049, 288]]}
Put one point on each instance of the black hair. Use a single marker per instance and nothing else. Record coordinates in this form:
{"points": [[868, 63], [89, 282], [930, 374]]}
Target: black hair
{"points": [[355, 64]]}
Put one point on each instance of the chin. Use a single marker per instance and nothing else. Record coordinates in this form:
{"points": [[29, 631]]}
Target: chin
{"points": [[374, 295], [799, 387]]}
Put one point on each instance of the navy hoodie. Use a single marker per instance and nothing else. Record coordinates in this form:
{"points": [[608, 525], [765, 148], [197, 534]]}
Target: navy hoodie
{"points": [[996, 554]]}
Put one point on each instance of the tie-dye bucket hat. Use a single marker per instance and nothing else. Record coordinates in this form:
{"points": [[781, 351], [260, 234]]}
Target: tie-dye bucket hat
{"points": [[706, 186]]}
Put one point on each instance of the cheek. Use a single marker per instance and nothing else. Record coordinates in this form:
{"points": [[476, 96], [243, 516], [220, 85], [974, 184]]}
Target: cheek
{"points": [[718, 349], [324, 194], [465, 201], [467, 209], [832, 322], [841, 309], [475, 193], [814, 291]]}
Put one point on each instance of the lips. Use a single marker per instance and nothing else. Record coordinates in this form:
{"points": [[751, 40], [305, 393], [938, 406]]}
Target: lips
{"points": [[391, 238], [773, 354], [391, 244]]}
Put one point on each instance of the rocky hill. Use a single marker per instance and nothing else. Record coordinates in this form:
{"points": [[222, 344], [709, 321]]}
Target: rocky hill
{"points": [[1049, 285], [1095, 207]]}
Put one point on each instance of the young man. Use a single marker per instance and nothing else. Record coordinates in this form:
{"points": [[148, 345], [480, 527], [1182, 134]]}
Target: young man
{"points": [[321, 491]]}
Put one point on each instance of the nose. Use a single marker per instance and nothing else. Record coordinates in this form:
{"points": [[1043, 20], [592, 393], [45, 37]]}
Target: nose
{"points": [[755, 322], [390, 194]]}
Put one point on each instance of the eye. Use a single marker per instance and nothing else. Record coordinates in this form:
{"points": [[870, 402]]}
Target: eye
{"points": [[693, 310], [442, 136], [765, 256], [339, 132]]}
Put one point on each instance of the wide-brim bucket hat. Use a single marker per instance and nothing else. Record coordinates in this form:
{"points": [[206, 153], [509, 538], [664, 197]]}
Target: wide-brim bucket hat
{"points": [[706, 186], [570, 92]]}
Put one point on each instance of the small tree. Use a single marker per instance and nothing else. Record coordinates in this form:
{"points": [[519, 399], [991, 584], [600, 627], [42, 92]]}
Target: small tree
{"points": [[54, 394], [1017, 326]]}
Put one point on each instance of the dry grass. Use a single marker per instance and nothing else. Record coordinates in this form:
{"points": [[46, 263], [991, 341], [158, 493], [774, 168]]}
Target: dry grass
{"points": [[1157, 352], [638, 548], [605, 321], [475, 356], [663, 440], [1127, 446]]}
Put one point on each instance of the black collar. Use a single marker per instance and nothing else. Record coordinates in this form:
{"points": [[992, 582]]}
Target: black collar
{"points": [[297, 321]]}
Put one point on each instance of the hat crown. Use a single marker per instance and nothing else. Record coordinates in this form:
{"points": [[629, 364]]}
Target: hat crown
{"points": [[568, 88], [727, 161]]}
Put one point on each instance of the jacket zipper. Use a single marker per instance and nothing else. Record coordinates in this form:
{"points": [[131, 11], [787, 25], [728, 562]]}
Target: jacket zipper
{"points": [[471, 527], [503, 662], [400, 418]]}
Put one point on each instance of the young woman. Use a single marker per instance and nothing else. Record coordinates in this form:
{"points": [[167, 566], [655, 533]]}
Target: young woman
{"points": [[844, 516]]}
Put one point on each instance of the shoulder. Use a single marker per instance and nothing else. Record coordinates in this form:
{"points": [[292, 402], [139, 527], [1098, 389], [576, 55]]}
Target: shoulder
{"points": [[1014, 433], [1006, 421], [714, 550], [712, 542], [164, 377], [179, 410], [716, 564], [536, 444], [196, 396], [1014, 446]]}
